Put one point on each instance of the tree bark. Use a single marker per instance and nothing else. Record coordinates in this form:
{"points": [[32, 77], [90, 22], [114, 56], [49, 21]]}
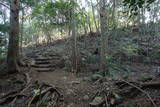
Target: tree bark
{"points": [[114, 14], [21, 41], [94, 17], [89, 23], [74, 41], [13, 47], [103, 35]]}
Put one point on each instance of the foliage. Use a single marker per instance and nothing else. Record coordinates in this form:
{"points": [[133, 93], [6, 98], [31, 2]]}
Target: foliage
{"points": [[53, 13], [92, 59], [4, 28], [135, 5]]}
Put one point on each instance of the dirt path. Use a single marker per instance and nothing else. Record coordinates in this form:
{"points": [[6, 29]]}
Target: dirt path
{"points": [[77, 93], [47, 66]]}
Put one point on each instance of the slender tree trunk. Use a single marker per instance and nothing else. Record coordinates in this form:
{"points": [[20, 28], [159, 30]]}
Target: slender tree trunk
{"points": [[74, 41], [85, 28], [22, 30], [143, 16], [89, 23], [103, 35], [13, 48], [5, 22], [98, 17], [94, 17], [114, 14]]}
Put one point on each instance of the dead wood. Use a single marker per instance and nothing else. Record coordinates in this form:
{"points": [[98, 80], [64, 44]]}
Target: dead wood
{"points": [[127, 90], [140, 89], [152, 85]]}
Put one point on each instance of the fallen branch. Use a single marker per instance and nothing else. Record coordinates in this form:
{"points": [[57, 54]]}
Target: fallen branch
{"points": [[141, 91], [156, 85], [106, 99]]}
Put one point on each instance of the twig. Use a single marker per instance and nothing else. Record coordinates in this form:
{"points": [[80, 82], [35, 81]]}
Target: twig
{"points": [[34, 96], [14, 100], [107, 99], [43, 99], [141, 91], [4, 5]]}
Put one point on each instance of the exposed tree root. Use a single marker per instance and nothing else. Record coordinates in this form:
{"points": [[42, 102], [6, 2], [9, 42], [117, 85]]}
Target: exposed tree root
{"points": [[10, 98], [44, 92]]}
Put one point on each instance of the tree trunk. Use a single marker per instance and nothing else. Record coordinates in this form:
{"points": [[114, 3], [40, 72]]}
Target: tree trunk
{"points": [[13, 47], [103, 35], [89, 23], [94, 17], [74, 41], [114, 14], [143, 15], [22, 30]]}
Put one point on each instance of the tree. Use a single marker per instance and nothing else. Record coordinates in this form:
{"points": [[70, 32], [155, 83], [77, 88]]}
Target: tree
{"points": [[94, 17], [74, 39], [13, 47], [114, 14], [103, 34]]}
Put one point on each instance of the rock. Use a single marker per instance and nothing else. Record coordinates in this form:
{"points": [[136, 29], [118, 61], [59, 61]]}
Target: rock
{"points": [[32, 62], [97, 101], [75, 82], [96, 77], [87, 79], [64, 78], [86, 98]]}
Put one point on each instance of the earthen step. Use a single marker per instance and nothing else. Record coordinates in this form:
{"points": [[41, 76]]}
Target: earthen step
{"points": [[53, 55], [42, 66], [44, 69], [42, 59], [42, 62], [55, 58]]}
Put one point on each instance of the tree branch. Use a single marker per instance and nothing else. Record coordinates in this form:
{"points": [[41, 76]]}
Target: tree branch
{"points": [[4, 5]]}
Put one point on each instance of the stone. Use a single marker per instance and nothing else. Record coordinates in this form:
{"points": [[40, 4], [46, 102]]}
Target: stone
{"points": [[33, 62], [64, 78], [87, 79], [86, 98], [96, 77], [97, 101]]}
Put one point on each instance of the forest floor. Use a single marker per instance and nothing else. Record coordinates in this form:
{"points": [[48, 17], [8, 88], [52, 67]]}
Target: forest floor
{"points": [[45, 81]]}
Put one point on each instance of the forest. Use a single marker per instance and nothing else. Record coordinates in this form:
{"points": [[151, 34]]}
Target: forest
{"points": [[79, 53]]}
